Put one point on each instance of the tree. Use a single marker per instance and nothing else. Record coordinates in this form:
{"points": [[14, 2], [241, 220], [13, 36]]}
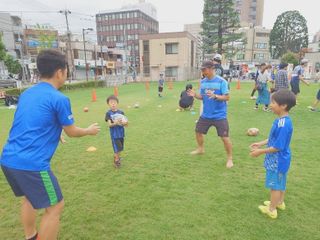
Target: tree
{"points": [[12, 65], [220, 23], [290, 57], [2, 49], [289, 33]]}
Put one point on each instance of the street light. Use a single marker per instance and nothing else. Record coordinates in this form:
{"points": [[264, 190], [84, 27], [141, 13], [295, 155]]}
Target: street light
{"points": [[85, 30]]}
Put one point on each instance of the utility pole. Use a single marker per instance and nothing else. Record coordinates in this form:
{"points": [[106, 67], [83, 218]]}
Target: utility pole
{"points": [[69, 50], [125, 41], [85, 50], [102, 68]]}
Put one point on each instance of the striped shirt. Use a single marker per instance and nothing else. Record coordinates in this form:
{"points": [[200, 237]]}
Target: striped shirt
{"points": [[281, 81]]}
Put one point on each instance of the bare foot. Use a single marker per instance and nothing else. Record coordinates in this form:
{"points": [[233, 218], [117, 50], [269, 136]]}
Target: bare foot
{"points": [[197, 152], [229, 164]]}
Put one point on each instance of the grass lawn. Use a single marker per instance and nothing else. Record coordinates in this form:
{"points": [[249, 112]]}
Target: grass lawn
{"points": [[161, 192]]}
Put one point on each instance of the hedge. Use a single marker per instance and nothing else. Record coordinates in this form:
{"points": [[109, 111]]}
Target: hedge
{"points": [[66, 87]]}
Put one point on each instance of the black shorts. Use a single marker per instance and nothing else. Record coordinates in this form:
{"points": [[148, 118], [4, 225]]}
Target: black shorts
{"points": [[318, 95], [160, 89], [41, 188], [222, 126], [295, 87], [117, 144], [184, 105]]}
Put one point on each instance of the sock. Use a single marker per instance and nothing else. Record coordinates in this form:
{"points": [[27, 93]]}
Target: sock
{"points": [[35, 237]]}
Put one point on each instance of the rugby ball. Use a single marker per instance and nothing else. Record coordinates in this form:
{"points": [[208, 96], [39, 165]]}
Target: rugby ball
{"points": [[253, 132]]}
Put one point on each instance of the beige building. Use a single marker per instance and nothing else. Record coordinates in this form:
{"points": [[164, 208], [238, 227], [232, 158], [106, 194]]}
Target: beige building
{"points": [[250, 11], [195, 29], [173, 54], [256, 49]]}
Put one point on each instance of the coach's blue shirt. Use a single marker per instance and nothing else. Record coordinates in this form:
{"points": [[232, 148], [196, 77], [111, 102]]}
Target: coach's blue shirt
{"points": [[279, 138], [41, 113], [116, 131], [214, 109]]}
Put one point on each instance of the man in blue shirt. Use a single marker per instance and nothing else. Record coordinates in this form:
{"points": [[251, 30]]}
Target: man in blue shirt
{"points": [[278, 154], [214, 94], [297, 76], [41, 115]]}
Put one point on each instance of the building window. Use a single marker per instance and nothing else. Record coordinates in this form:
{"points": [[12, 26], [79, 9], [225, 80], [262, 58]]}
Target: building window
{"points": [[240, 56], [171, 48], [261, 45], [259, 56], [171, 72]]}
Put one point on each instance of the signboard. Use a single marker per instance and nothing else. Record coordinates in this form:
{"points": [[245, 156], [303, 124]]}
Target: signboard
{"points": [[110, 65]]}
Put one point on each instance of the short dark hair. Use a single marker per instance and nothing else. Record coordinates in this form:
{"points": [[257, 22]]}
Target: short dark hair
{"points": [[284, 97], [189, 86], [49, 61], [112, 97]]}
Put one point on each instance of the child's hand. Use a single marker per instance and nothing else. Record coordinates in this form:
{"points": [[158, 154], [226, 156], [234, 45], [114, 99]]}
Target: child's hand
{"points": [[255, 152], [62, 140], [255, 146], [191, 93]]}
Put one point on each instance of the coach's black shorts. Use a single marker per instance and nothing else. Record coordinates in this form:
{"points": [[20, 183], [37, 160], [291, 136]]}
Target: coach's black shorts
{"points": [[222, 126], [295, 87], [160, 89]]}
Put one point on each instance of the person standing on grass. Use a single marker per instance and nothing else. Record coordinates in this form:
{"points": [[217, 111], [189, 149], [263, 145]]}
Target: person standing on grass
{"points": [[281, 80], [116, 123], [297, 76], [41, 115], [262, 87], [160, 85], [277, 154], [214, 94]]}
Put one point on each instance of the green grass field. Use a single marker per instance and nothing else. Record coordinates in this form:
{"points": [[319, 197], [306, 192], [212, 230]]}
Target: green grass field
{"points": [[161, 192]]}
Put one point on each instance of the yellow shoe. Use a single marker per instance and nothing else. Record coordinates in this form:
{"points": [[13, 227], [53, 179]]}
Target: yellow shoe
{"points": [[266, 210], [281, 206]]}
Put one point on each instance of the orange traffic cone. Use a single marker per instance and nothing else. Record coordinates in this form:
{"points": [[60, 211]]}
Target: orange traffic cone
{"points": [[93, 95], [238, 84], [115, 91]]}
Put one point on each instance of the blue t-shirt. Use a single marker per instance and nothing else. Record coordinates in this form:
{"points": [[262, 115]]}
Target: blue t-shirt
{"points": [[214, 109], [116, 131], [41, 113], [297, 72], [279, 138]]}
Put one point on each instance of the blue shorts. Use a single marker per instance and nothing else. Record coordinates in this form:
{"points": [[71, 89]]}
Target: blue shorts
{"points": [[117, 144], [40, 188], [276, 181]]}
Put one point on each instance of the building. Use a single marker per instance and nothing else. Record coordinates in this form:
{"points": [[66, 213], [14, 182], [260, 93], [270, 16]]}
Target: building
{"points": [[250, 12], [122, 28], [256, 49], [170, 53], [38, 37], [196, 29], [97, 59], [11, 33]]}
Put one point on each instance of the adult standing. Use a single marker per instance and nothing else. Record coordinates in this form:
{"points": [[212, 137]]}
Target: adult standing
{"points": [[214, 94], [297, 76], [41, 115], [262, 87], [281, 80]]}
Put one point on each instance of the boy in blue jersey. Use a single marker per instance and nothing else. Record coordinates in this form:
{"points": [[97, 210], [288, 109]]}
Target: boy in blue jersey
{"points": [[41, 115], [116, 125], [278, 154], [214, 94]]}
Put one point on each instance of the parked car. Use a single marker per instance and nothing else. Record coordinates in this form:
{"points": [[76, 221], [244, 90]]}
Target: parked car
{"points": [[7, 82]]}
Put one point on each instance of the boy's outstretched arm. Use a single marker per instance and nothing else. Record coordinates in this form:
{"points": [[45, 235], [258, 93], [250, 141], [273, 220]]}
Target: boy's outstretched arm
{"points": [[257, 152], [74, 131], [258, 144]]}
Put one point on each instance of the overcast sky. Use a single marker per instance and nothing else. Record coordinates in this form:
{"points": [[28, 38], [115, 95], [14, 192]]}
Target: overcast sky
{"points": [[172, 14]]}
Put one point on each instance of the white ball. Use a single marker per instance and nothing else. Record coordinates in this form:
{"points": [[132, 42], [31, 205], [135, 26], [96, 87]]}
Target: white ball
{"points": [[253, 132]]}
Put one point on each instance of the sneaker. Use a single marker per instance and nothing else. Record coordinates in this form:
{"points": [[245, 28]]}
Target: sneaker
{"points": [[255, 108], [117, 163], [266, 210], [253, 98], [312, 109], [281, 206], [266, 109]]}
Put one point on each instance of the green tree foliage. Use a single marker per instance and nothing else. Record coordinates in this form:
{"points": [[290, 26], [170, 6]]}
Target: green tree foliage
{"points": [[289, 33], [2, 49], [12, 65], [290, 57], [220, 23]]}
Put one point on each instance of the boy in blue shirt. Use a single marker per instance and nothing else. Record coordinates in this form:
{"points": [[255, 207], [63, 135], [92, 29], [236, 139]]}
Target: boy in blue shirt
{"points": [[214, 94], [297, 76], [41, 115], [116, 122], [278, 154]]}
